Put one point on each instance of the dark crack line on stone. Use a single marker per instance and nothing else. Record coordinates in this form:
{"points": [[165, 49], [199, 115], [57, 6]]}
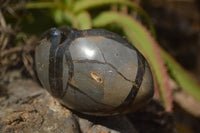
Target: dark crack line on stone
{"points": [[31, 98], [134, 90], [102, 53], [58, 69], [63, 51], [68, 59], [55, 68], [105, 63], [52, 61], [77, 89], [86, 75]]}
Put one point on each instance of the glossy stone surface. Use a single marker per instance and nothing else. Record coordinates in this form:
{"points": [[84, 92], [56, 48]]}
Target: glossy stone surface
{"points": [[93, 71]]}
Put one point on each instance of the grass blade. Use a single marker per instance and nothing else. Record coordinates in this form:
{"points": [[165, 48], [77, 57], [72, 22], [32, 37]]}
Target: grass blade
{"points": [[33, 5], [181, 76], [139, 37], [87, 4], [84, 20]]}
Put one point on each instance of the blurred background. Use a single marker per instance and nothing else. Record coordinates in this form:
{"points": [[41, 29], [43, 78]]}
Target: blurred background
{"points": [[167, 32]]}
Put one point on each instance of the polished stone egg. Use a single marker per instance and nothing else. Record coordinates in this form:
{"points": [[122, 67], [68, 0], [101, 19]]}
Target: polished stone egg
{"points": [[95, 71]]}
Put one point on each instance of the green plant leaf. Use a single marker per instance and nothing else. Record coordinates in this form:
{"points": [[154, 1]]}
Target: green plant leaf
{"points": [[141, 39], [70, 17], [33, 5], [87, 4], [83, 5], [84, 20], [181, 76], [68, 4], [58, 16]]}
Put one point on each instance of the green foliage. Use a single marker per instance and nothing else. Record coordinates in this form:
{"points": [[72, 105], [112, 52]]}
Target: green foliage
{"points": [[85, 21], [181, 76], [82, 14], [67, 10]]}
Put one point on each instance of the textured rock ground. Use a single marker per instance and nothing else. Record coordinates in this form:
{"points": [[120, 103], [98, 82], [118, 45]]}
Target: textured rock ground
{"points": [[26, 107]]}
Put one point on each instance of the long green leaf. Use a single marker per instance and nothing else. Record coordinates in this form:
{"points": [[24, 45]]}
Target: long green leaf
{"points": [[181, 76], [141, 39], [85, 21], [33, 5], [58, 16], [68, 15], [87, 4]]}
